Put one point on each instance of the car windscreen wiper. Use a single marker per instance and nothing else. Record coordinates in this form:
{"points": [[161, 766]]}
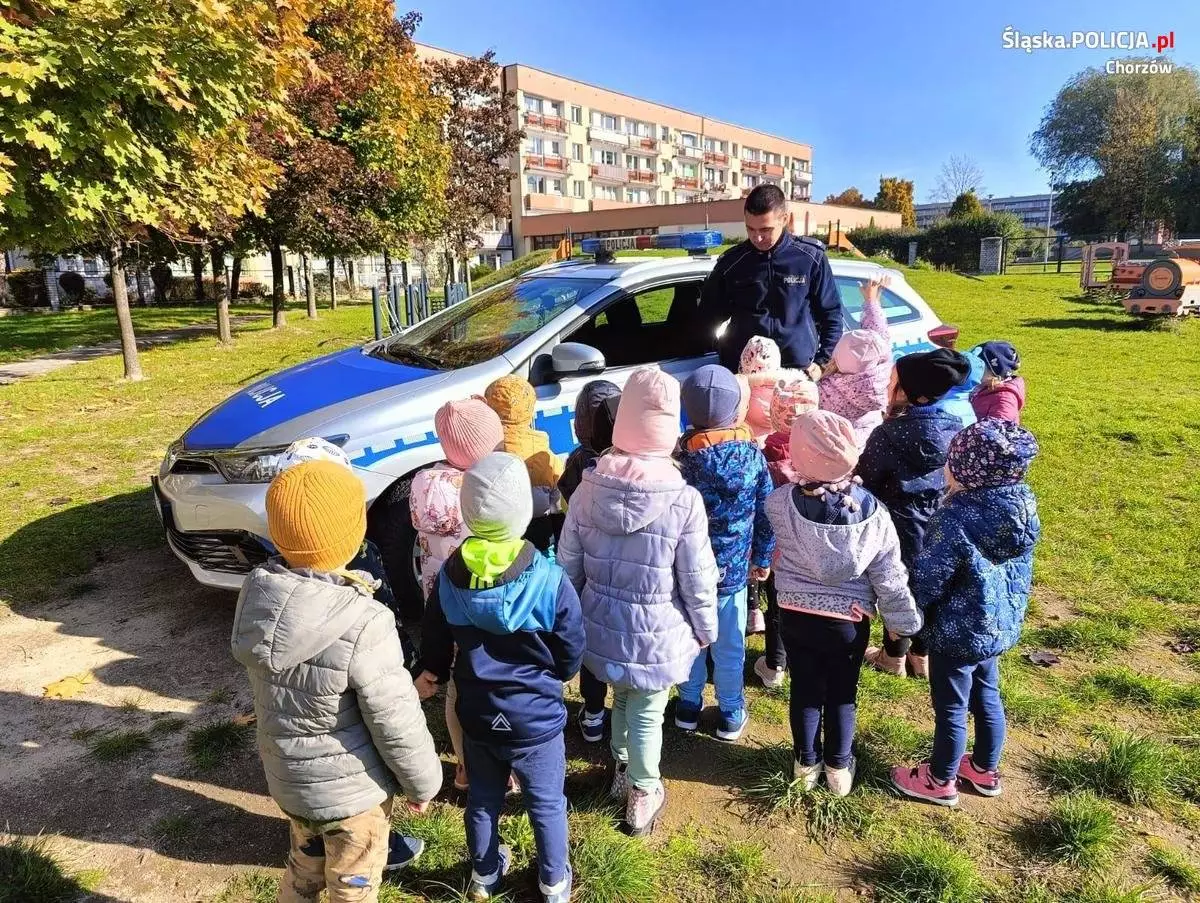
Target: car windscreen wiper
{"points": [[403, 354]]}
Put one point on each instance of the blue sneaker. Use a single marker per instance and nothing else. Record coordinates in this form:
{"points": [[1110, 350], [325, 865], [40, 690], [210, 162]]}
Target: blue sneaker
{"points": [[483, 887], [687, 715], [731, 724], [402, 851], [559, 893], [591, 725]]}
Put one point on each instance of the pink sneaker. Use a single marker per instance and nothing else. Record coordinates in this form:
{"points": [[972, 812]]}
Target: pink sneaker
{"points": [[920, 785], [986, 783]]}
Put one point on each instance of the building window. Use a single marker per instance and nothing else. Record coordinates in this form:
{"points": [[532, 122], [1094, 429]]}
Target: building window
{"points": [[577, 114], [606, 157], [734, 150], [533, 104], [535, 184], [733, 179], [666, 197], [554, 107], [751, 181], [687, 139], [555, 186], [577, 152], [750, 153], [578, 188], [666, 133], [604, 121], [639, 163], [687, 170], [606, 192], [637, 196]]}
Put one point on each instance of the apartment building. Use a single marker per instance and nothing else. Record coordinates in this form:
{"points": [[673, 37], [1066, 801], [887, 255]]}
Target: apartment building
{"points": [[1035, 211]]}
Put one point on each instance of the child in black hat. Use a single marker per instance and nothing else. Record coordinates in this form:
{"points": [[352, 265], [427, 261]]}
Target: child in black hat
{"points": [[1002, 393]]}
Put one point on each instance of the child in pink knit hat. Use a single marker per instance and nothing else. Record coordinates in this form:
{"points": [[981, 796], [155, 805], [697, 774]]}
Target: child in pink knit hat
{"points": [[761, 365], [855, 384]]}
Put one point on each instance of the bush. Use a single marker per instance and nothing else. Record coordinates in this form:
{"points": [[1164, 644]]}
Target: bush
{"points": [[480, 270], [72, 286], [873, 241], [252, 288], [162, 277], [26, 288], [955, 243], [511, 270]]}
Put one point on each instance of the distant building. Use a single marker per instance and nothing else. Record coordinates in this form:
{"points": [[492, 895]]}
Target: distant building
{"points": [[1033, 210]]}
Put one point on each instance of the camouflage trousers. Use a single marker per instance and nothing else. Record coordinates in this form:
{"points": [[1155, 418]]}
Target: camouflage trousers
{"points": [[346, 857]]}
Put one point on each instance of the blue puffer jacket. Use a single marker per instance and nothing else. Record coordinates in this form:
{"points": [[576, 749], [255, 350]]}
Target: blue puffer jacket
{"points": [[732, 477], [973, 577], [903, 465]]}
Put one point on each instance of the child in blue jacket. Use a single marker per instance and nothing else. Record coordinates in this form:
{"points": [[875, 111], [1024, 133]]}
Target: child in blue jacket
{"points": [[516, 622], [720, 459], [972, 581]]}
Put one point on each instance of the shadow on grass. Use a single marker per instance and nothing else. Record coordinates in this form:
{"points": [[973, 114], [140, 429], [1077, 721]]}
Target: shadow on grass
{"points": [[1094, 323], [30, 871]]}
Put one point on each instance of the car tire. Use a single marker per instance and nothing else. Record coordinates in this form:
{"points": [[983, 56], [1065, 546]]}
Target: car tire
{"points": [[390, 527]]}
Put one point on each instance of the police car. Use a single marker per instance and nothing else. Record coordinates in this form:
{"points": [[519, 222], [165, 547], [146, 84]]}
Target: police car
{"points": [[559, 325]]}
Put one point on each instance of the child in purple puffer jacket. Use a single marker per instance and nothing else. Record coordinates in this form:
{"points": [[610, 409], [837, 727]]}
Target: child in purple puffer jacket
{"points": [[855, 384]]}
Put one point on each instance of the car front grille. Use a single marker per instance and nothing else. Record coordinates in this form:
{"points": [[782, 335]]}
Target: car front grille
{"points": [[193, 465], [227, 551]]}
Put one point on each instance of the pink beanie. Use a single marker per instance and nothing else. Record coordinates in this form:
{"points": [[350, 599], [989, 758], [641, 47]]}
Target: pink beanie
{"points": [[648, 417], [469, 430], [859, 350], [823, 447], [791, 399], [760, 354]]}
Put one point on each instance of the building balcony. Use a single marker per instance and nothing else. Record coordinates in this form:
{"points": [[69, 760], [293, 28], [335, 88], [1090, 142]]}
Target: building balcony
{"points": [[688, 151], [640, 175], [605, 204], [800, 195], [642, 143], [546, 163], [606, 172], [753, 166], [540, 121], [688, 183], [607, 136], [802, 175], [774, 170], [548, 203], [716, 157]]}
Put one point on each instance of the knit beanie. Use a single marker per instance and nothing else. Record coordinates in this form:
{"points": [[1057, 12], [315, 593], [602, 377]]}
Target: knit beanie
{"points": [[711, 397], [496, 498], [791, 399], [931, 374], [759, 355], [1000, 358], [317, 515], [823, 447], [513, 398], [468, 430], [744, 402], [859, 350], [648, 417], [313, 448], [991, 452]]}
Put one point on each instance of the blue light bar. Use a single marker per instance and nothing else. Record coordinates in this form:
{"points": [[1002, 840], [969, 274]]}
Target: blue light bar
{"points": [[687, 241]]}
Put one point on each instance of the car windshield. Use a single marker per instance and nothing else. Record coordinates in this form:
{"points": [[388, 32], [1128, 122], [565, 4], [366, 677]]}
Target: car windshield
{"points": [[487, 324], [895, 308]]}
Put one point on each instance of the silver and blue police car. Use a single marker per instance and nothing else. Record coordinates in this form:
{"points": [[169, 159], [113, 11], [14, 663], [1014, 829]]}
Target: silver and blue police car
{"points": [[559, 325]]}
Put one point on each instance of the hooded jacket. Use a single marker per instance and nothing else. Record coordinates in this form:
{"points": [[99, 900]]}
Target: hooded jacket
{"points": [[519, 638], [840, 567], [859, 397], [593, 429], [1003, 401], [974, 575], [903, 466], [340, 726], [639, 555], [513, 400], [732, 477]]}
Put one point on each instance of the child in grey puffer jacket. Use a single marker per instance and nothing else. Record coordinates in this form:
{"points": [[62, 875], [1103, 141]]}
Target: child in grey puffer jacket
{"points": [[340, 727]]}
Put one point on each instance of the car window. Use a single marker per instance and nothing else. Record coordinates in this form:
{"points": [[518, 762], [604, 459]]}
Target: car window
{"points": [[487, 324], [652, 325], [895, 308]]}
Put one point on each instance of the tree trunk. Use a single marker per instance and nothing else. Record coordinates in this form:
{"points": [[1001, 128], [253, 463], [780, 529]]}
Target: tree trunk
{"points": [[137, 278], [351, 278], [387, 271], [198, 271], [236, 278], [306, 272], [221, 277], [129, 352], [277, 288], [332, 283]]}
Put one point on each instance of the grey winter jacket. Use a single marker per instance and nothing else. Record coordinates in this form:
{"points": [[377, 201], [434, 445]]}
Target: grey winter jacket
{"points": [[638, 554], [840, 570], [340, 726]]}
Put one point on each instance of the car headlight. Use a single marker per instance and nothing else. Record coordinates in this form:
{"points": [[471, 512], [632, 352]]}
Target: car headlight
{"points": [[259, 465], [172, 456]]}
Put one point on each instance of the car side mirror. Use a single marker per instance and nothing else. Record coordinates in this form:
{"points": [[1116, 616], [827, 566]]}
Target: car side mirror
{"points": [[576, 359]]}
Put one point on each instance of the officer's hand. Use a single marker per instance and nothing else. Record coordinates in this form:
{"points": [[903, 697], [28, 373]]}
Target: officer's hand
{"points": [[814, 371], [873, 288]]}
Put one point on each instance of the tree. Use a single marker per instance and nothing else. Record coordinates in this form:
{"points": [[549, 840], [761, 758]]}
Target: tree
{"points": [[897, 195], [966, 204], [851, 197], [483, 136], [1079, 210], [119, 114], [958, 175]]}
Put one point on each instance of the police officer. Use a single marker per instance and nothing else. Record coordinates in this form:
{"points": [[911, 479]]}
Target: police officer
{"points": [[775, 285]]}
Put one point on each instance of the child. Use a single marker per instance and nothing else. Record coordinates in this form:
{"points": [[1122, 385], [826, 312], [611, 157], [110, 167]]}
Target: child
{"points": [[902, 466], [636, 546], [1002, 392], [855, 384], [790, 401], [595, 412], [340, 727], [719, 459], [837, 566], [514, 399], [514, 618], [760, 364], [972, 580], [468, 430]]}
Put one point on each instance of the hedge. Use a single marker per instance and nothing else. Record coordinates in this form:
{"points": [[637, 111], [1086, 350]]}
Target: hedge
{"points": [[952, 243]]}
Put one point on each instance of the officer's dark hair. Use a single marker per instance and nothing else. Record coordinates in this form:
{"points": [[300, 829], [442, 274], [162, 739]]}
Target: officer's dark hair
{"points": [[765, 199]]}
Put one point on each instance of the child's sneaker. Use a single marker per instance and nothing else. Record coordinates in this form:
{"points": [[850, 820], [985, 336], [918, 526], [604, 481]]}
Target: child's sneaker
{"points": [[755, 622], [918, 666], [619, 789], [807, 775], [559, 893], [687, 715], [841, 780], [402, 851], [591, 725], [878, 659], [730, 725], [772, 678], [483, 887], [986, 783], [921, 785], [643, 809]]}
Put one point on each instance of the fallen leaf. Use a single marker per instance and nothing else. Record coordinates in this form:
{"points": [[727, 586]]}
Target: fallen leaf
{"points": [[245, 720], [1183, 647], [59, 501], [1045, 659], [68, 687]]}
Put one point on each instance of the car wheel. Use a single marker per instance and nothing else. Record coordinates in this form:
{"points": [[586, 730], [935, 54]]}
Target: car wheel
{"points": [[389, 526]]}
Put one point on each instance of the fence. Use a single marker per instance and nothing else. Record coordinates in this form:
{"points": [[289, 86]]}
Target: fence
{"points": [[1035, 253]]}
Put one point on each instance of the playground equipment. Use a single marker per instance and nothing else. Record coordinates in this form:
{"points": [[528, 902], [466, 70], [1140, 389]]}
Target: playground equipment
{"points": [[1119, 251], [1169, 285]]}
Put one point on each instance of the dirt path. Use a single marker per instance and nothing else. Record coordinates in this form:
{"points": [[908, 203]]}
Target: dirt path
{"points": [[48, 363]]}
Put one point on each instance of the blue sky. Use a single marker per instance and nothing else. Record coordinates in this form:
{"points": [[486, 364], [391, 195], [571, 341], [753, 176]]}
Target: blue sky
{"points": [[875, 88]]}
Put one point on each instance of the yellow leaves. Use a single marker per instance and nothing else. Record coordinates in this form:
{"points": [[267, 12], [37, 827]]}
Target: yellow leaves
{"points": [[41, 139], [213, 10], [68, 687]]}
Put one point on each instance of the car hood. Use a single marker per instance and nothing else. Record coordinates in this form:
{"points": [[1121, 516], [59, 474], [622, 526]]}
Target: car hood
{"points": [[311, 391]]}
